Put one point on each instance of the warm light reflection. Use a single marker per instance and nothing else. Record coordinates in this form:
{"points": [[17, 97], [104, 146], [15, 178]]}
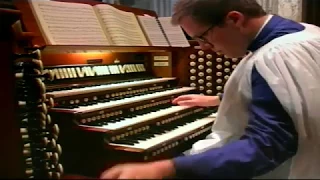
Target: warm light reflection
{"points": [[92, 54], [107, 55], [79, 57]]}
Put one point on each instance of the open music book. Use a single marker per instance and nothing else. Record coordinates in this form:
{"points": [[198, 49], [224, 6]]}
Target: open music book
{"points": [[63, 23]]}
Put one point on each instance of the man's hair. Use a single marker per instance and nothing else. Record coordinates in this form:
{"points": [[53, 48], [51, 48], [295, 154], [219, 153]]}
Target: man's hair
{"points": [[213, 12]]}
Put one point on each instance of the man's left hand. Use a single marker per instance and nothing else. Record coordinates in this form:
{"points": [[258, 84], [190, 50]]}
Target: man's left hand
{"points": [[152, 170]]}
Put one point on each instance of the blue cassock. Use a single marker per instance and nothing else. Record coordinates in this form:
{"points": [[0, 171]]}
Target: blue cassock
{"points": [[252, 155]]}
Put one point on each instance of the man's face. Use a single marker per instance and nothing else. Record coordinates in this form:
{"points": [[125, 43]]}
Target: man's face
{"points": [[228, 39]]}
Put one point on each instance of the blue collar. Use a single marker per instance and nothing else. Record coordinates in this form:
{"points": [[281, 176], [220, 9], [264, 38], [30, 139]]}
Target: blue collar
{"points": [[276, 27]]}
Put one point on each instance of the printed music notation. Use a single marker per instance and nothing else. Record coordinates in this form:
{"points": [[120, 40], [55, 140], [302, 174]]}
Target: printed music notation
{"points": [[161, 29], [174, 34], [63, 23], [69, 23], [122, 26], [153, 30]]}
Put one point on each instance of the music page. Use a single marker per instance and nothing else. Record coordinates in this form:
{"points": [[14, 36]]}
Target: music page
{"points": [[153, 31], [68, 23], [121, 27], [174, 34]]}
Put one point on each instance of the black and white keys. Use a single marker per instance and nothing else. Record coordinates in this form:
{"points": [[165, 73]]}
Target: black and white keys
{"points": [[129, 100], [164, 134], [100, 88], [126, 122]]}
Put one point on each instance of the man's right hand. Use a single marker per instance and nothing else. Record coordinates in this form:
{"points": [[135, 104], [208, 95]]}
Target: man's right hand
{"points": [[197, 100]]}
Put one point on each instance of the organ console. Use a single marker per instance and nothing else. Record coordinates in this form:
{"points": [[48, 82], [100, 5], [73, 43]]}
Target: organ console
{"points": [[81, 109]]}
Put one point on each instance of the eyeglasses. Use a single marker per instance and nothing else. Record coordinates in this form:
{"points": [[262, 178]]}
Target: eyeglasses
{"points": [[201, 38]]}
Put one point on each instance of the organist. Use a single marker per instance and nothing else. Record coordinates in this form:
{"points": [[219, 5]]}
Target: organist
{"points": [[268, 122]]}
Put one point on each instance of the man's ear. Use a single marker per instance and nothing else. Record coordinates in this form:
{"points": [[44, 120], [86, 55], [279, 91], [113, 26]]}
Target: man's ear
{"points": [[235, 19]]}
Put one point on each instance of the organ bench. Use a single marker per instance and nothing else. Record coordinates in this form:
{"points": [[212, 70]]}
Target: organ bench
{"points": [[81, 109]]}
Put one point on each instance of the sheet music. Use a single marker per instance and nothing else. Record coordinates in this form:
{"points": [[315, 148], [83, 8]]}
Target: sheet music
{"points": [[123, 27], [174, 34], [69, 23], [153, 31]]}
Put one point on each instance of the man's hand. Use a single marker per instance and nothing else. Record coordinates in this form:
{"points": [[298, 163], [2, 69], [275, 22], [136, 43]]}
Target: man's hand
{"points": [[197, 100], [152, 170]]}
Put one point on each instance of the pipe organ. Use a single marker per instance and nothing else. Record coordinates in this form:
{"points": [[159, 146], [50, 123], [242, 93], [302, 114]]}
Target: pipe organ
{"points": [[77, 110]]}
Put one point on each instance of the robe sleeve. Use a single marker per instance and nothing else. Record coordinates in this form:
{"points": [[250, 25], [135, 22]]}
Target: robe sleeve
{"points": [[270, 139]]}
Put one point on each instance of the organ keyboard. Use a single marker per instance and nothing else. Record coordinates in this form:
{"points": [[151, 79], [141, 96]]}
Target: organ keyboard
{"points": [[164, 134], [80, 111], [115, 86], [129, 116]]}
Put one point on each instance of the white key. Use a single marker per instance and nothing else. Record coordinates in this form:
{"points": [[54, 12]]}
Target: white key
{"points": [[214, 115], [57, 94], [143, 118], [100, 106], [163, 138]]}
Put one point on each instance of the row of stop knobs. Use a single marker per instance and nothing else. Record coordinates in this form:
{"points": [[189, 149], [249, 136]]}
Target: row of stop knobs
{"points": [[39, 135]]}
